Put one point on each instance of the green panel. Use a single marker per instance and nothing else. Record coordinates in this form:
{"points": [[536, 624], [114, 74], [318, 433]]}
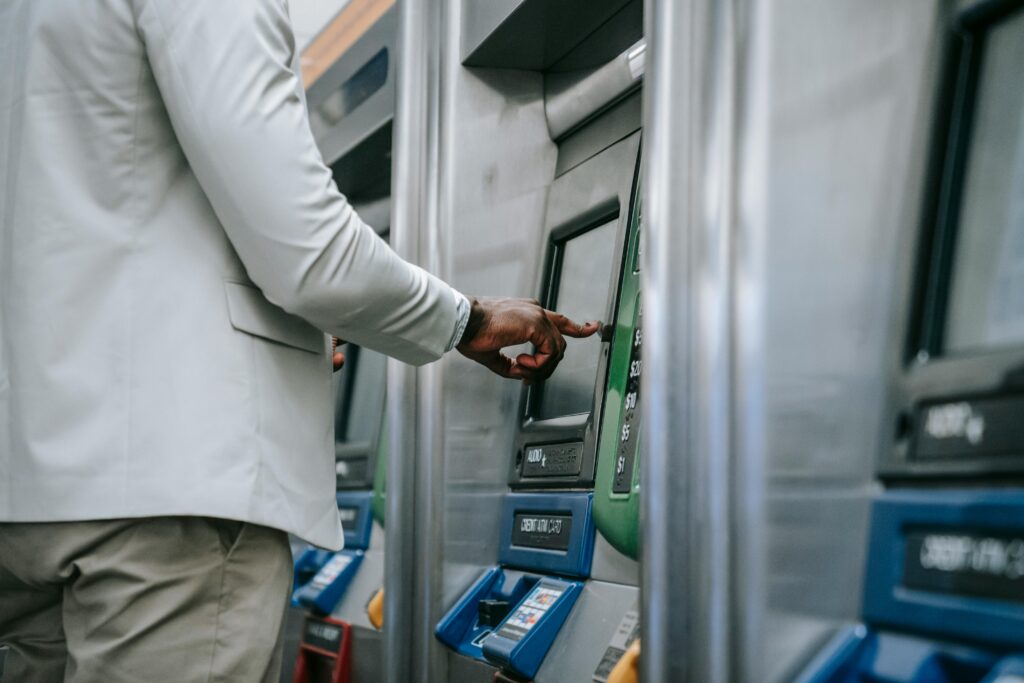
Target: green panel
{"points": [[617, 487], [380, 477]]}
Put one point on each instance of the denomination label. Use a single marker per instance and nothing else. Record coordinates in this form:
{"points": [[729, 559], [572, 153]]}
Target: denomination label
{"points": [[553, 460], [626, 452], [542, 530]]}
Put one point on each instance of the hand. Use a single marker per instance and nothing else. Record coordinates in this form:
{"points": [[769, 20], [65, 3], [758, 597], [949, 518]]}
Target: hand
{"points": [[495, 323], [337, 356]]}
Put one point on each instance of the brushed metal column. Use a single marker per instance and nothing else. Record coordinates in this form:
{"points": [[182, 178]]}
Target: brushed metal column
{"points": [[690, 213], [415, 419]]}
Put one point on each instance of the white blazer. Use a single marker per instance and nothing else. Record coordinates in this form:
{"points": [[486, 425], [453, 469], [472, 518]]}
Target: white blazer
{"points": [[167, 229]]}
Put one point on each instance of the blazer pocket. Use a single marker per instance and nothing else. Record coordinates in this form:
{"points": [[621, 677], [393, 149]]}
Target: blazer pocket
{"points": [[250, 312]]}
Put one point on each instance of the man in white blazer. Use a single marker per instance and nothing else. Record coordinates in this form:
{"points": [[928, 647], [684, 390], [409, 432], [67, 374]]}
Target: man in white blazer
{"points": [[172, 252]]}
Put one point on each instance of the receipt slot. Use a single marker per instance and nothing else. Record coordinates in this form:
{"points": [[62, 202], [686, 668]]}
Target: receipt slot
{"points": [[512, 613], [326, 586], [944, 593]]}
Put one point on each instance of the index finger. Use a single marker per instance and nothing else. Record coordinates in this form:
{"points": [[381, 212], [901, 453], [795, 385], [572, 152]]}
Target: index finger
{"points": [[572, 329], [549, 345]]}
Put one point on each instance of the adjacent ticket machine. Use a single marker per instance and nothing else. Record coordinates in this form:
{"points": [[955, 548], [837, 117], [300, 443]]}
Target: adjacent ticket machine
{"points": [[351, 106], [944, 593]]}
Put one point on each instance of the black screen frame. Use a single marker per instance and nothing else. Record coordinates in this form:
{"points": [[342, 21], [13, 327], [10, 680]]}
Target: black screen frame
{"points": [[595, 218], [926, 374], [954, 128], [607, 184]]}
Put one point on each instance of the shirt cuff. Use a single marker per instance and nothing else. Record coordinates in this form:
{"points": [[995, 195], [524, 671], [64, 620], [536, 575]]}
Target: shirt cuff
{"points": [[461, 319]]}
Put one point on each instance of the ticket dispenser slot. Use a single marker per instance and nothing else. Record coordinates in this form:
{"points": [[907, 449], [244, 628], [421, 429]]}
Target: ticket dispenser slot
{"points": [[327, 587], [943, 596], [512, 613]]}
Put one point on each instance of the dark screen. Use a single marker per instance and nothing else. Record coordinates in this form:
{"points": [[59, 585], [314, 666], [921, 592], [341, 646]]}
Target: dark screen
{"points": [[360, 402], [986, 291], [586, 273]]}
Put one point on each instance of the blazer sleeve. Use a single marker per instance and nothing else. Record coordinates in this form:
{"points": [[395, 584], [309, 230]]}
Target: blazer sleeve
{"points": [[225, 72]]}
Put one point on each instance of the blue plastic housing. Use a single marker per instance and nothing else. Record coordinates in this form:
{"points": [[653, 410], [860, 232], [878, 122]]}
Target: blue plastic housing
{"points": [[307, 564], [857, 656], [460, 628], [888, 603], [576, 560], [357, 532], [524, 655], [925, 636], [323, 593]]}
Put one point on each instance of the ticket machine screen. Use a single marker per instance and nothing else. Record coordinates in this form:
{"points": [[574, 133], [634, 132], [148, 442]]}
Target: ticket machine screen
{"points": [[583, 275], [361, 399], [986, 297]]}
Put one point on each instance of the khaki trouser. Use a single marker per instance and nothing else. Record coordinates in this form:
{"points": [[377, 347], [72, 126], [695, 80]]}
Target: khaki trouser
{"points": [[163, 599]]}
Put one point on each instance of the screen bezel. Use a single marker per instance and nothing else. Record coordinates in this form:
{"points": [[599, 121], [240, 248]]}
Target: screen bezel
{"points": [[926, 374], [585, 197], [597, 217]]}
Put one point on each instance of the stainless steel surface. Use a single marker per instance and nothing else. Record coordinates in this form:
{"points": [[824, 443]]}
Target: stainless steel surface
{"points": [[419, 139], [531, 34], [612, 566], [686, 607], [413, 178], [571, 98], [621, 119], [581, 643], [783, 176], [847, 100], [367, 655], [466, 670]]}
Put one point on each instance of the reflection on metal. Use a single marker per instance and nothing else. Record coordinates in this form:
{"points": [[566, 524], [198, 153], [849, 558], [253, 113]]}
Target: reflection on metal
{"points": [[415, 467], [571, 99], [407, 182], [689, 204]]}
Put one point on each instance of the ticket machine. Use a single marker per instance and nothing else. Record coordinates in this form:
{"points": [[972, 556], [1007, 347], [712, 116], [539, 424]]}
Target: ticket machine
{"points": [[512, 615], [944, 591], [560, 603]]}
